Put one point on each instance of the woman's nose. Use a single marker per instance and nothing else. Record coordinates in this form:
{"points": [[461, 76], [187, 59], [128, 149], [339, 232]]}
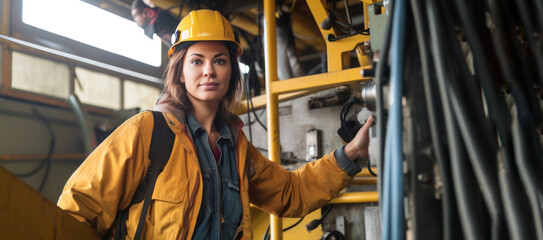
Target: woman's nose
{"points": [[209, 70]]}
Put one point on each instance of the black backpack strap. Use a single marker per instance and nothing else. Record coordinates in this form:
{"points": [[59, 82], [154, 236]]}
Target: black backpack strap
{"points": [[159, 153]]}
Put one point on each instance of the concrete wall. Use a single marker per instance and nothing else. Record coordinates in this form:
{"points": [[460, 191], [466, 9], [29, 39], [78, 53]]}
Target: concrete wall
{"points": [[295, 120], [23, 133]]}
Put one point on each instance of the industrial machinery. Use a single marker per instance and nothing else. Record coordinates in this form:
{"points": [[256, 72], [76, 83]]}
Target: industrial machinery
{"points": [[455, 88]]}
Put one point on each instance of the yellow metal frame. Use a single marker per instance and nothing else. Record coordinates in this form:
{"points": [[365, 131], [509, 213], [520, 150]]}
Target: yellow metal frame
{"points": [[335, 49], [336, 75]]}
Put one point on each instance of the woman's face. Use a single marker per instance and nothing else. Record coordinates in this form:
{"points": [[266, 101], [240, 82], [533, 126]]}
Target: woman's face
{"points": [[206, 71]]}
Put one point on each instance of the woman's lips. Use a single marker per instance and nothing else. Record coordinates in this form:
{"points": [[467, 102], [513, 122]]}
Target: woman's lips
{"points": [[209, 85]]}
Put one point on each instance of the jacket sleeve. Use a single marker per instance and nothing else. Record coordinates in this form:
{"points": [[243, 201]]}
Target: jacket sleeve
{"points": [[107, 179], [294, 193]]}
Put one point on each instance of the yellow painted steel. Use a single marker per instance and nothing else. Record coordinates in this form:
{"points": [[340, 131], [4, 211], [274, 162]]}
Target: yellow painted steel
{"points": [[274, 152], [370, 1], [364, 181], [261, 221], [306, 31], [356, 197], [335, 49], [245, 23], [329, 79], [261, 101], [26, 214]]}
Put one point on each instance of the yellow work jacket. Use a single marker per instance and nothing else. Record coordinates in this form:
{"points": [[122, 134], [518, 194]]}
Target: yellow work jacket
{"points": [[106, 181]]}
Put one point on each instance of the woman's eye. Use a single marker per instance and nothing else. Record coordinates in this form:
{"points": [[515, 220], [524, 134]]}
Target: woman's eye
{"points": [[196, 61], [220, 61]]}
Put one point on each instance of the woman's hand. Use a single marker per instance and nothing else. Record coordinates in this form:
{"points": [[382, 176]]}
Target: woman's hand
{"points": [[358, 147]]}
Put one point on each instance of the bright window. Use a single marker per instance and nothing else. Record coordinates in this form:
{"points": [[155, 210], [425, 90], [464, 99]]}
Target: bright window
{"points": [[88, 24], [40, 75], [138, 95], [97, 88]]}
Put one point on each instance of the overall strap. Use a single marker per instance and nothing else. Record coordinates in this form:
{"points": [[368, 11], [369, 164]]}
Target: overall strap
{"points": [[160, 150], [159, 153]]}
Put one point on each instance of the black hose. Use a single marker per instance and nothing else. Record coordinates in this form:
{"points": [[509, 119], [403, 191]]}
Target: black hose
{"points": [[433, 115], [249, 112], [467, 210], [530, 29], [473, 128], [523, 127], [499, 115], [256, 117], [51, 149], [47, 162], [49, 153], [539, 13], [266, 233], [368, 166], [293, 225]]}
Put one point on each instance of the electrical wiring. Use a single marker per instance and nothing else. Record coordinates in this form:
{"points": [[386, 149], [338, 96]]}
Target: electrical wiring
{"points": [[528, 175], [498, 112], [47, 162], [316, 222], [473, 128], [522, 122], [524, 55], [518, 226], [368, 166], [539, 11], [293, 225], [252, 69], [251, 122], [267, 232], [247, 87], [256, 117], [248, 95], [526, 17], [251, 75], [471, 227], [433, 115]]}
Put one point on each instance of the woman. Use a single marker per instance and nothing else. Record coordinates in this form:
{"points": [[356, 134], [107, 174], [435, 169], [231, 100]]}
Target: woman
{"points": [[213, 172]]}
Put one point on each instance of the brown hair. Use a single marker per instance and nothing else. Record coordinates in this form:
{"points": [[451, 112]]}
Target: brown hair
{"points": [[175, 92]]}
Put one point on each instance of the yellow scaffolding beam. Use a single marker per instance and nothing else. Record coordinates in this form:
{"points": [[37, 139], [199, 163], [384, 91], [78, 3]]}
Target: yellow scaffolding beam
{"points": [[274, 152], [338, 53], [356, 197]]}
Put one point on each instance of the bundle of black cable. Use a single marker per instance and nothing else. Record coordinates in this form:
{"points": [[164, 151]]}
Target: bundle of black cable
{"points": [[349, 125]]}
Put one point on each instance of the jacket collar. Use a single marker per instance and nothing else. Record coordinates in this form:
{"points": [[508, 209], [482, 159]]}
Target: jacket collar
{"points": [[180, 114]]}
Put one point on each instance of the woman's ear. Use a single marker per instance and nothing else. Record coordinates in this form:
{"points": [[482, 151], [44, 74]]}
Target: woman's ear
{"points": [[182, 79]]}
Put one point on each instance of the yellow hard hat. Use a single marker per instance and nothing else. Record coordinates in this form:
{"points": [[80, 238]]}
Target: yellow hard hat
{"points": [[204, 25]]}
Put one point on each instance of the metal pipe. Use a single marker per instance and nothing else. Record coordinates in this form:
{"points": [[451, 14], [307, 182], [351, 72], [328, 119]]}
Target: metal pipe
{"points": [[364, 181], [366, 15], [347, 11], [270, 51], [356, 197]]}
